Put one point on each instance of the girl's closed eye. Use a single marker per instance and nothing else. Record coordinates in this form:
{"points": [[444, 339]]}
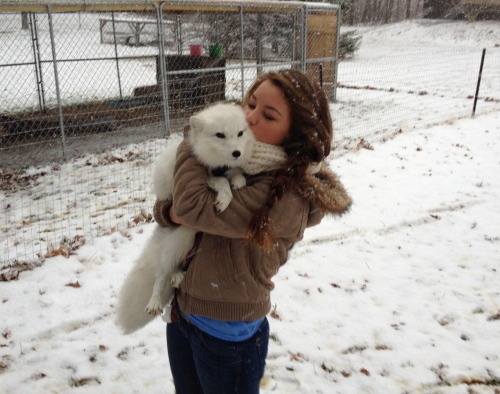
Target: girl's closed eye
{"points": [[268, 113]]}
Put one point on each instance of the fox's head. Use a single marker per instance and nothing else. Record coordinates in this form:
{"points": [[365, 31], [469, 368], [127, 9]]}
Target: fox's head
{"points": [[220, 136]]}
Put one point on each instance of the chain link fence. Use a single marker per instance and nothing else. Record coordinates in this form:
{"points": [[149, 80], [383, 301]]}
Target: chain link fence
{"points": [[412, 87], [89, 93]]}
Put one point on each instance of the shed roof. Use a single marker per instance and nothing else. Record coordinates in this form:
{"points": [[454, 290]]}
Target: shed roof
{"points": [[149, 5], [482, 2]]}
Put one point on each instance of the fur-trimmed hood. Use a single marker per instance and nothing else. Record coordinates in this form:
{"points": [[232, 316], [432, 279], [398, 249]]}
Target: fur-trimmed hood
{"points": [[324, 190]]}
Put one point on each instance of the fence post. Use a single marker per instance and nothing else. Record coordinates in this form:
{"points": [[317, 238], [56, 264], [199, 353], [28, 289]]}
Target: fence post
{"points": [[37, 60], [336, 62], [116, 54], [242, 55], [478, 83], [163, 68], [258, 49], [303, 55], [294, 37], [178, 34], [56, 81]]}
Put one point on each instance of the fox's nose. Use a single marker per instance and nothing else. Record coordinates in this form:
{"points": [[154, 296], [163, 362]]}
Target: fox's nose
{"points": [[236, 154]]}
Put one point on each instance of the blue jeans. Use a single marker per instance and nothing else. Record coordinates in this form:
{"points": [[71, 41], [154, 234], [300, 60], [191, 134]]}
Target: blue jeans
{"points": [[201, 363]]}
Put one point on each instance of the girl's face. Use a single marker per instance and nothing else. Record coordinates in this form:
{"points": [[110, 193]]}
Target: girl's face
{"points": [[268, 114]]}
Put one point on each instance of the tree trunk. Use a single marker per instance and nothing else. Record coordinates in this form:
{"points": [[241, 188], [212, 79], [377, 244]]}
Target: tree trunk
{"points": [[350, 14], [367, 12], [388, 11], [378, 11]]}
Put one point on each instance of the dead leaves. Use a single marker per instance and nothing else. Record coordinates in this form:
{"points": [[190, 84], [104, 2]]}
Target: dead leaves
{"points": [[143, 217], [298, 357], [5, 361], [12, 180], [12, 271], [6, 333], [112, 158], [67, 248], [275, 314], [38, 376], [494, 317], [363, 144], [364, 371], [74, 382]]}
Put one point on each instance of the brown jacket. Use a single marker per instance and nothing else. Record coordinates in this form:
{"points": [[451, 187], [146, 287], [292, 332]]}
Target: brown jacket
{"points": [[227, 279]]}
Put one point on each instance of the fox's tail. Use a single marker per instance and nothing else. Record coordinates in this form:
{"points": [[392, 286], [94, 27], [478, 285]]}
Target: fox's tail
{"points": [[138, 286]]}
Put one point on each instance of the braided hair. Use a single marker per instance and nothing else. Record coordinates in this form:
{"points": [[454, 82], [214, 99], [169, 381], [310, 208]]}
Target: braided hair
{"points": [[308, 142]]}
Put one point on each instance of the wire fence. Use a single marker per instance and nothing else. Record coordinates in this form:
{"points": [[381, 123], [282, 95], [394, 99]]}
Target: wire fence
{"points": [[70, 75], [90, 92], [88, 97]]}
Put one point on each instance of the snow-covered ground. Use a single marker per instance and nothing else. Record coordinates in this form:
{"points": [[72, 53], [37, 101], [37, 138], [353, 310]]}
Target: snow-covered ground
{"points": [[402, 294]]}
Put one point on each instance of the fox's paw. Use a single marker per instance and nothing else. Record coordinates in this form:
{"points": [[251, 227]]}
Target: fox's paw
{"points": [[222, 190], [154, 308], [177, 278], [222, 202], [238, 181]]}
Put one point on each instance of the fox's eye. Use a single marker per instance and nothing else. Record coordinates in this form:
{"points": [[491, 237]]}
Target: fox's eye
{"points": [[240, 133], [220, 135]]}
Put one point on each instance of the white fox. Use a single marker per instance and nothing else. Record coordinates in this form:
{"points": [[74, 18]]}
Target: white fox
{"points": [[220, 137]]}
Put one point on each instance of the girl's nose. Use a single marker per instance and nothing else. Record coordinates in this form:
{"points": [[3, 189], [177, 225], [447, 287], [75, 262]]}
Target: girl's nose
{"points": [[251, 118]]}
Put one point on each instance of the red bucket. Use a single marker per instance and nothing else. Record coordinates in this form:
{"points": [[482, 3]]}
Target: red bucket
{"points": [[195, 50]]}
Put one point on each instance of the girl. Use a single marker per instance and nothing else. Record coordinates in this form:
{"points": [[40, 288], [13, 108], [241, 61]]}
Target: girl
{"points": [[218, 343]]}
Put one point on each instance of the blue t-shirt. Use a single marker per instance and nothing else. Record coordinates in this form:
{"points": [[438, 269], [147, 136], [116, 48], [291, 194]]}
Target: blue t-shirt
{"points": [[234, 331]]}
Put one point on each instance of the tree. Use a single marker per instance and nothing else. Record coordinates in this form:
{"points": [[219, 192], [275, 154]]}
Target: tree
{"points": [[348, 43], [388, 11], [368, 12], [438, 8]]}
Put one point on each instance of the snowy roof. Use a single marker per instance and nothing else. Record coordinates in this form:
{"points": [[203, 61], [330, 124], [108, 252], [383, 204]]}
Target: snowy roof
{"points": [[103, 5]]}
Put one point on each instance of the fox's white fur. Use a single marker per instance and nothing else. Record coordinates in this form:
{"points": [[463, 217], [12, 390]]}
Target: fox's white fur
{"points": [[219, 136]]}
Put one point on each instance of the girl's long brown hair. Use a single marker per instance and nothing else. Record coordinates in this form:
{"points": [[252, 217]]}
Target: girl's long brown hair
{"points": [[309, 141]]}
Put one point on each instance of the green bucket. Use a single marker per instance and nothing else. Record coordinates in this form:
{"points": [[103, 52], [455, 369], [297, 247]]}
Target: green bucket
{"points": [[215, 50]]}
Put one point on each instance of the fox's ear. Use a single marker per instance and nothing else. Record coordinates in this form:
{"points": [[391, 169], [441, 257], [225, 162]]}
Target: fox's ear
{"points": [[196, 123]]}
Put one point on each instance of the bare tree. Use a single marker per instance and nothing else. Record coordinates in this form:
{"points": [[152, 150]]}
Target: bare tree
{"points": [[351, 13], [378, 10], [389, 6], [368, 12]]}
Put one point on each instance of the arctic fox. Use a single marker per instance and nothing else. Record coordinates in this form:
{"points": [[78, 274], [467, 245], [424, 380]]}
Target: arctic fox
{"points": [[220, 138]]}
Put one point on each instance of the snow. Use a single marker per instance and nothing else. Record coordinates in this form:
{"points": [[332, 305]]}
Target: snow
{"points": [[402, 294]]}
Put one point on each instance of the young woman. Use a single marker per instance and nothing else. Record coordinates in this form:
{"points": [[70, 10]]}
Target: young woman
{"points": [[218, 343]]}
